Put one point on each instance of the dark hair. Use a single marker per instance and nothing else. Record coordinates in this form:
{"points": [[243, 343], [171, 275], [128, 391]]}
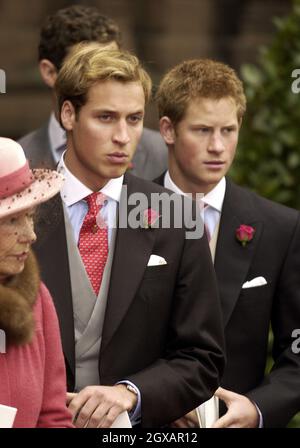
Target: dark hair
{"points": [[73, 25]]}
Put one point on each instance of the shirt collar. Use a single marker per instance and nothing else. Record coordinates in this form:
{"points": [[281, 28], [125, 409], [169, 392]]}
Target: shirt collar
{"points": [[74, 191], [214, 198], [57, 134]]}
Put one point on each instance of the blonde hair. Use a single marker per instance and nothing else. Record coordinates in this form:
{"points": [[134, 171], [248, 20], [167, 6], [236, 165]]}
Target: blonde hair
{"points": [[89, 63], [194, 79]]}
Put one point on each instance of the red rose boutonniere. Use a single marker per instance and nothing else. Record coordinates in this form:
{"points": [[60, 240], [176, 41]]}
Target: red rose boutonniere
{"points": [[244, 234], [150, 217]]}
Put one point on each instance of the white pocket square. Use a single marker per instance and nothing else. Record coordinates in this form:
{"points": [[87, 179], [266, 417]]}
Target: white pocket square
{"points": [[257, 281], [156, 260]]}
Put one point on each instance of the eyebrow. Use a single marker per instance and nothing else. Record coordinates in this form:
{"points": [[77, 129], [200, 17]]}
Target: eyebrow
{"points": [[212, 126], [113, 111]]}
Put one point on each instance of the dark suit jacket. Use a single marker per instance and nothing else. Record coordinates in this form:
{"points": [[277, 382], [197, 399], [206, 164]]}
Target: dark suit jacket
{"points": [[150, 158], [274, 253], [162, 327]]}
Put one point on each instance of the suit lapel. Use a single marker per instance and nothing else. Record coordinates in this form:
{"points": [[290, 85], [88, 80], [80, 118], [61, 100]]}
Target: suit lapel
{"points": [[232, 260], [132, 251], [161, 179], [51, 250]]}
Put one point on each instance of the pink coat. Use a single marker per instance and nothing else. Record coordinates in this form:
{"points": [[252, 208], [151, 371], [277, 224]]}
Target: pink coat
{"points": [[32, 376]]}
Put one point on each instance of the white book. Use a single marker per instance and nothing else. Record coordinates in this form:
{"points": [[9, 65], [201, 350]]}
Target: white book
{"points": [[208, 412], [7, 416]]}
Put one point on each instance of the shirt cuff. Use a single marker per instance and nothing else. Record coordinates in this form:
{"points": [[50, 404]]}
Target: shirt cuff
{"points": [[135, 413], [261, 420]]}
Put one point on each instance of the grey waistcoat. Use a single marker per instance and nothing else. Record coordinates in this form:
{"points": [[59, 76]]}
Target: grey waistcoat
{"points": [[88, 310]]}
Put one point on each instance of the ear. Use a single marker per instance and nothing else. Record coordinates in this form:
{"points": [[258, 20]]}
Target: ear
{"points": [[67, 115], [48, 72], [167, 130]]}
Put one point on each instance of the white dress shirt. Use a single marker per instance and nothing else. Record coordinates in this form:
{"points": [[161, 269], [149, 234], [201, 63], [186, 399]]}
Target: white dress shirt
{"points": [[214, 201], [73, 193]]}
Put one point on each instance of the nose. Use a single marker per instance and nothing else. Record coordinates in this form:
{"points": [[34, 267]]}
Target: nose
{"points": [[216, 143], [28, 235], [121, 135]]}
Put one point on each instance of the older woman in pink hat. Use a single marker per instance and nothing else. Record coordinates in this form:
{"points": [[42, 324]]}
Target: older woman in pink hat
{"points": [[32, 372]]}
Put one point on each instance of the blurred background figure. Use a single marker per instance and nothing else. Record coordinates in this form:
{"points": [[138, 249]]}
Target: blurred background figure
{"points": [[32, 368]]}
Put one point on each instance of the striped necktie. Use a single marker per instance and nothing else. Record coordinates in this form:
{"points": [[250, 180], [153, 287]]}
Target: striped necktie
{"points": [[203, 208]]}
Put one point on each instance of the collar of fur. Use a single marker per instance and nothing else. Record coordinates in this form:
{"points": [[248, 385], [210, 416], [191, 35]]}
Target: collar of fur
{"points": [[17, 298]]}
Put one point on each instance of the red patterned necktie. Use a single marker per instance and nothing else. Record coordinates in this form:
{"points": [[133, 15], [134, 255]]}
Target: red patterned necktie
{"points": [[93, 241]]}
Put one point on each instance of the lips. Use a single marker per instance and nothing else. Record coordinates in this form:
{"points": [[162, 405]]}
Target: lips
{"points": [[21, 256], [214, 164], [118, 157]]}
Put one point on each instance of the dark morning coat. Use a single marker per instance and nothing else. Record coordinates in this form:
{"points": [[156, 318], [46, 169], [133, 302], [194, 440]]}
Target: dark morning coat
{"points": [[162, 327], [274, 253]]}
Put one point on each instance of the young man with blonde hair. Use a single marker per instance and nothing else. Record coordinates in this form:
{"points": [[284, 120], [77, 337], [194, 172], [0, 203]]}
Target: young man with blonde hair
{"points": [[255, 245], [128, 299], [59, 33]]}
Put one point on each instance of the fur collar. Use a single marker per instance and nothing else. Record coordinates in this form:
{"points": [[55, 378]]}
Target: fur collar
{"points": [[17, 298]]}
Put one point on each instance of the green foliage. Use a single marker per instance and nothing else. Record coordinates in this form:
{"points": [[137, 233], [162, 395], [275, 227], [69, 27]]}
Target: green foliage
{"points": [[268, 158]]}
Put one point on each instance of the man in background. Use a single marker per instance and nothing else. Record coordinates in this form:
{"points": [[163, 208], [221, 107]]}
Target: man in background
{"points": [[255, 245], [62, 30]]}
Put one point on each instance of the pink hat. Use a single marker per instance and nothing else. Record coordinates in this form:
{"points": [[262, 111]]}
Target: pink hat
{"points": [[20, 187]]}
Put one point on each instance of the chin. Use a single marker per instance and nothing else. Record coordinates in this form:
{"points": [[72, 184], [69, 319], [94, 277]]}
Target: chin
{"points": [[17, 269], [215, 179], [114, 173]]}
